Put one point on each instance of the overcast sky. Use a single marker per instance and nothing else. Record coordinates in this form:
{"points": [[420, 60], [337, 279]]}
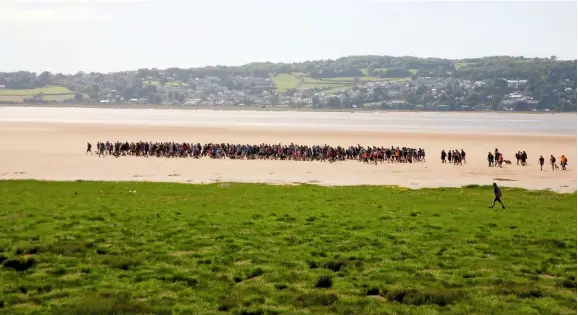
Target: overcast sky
{"points": [[110, 35]]}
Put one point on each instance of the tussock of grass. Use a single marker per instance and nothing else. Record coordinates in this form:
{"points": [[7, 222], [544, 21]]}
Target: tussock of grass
{"points": [[95, 248]]}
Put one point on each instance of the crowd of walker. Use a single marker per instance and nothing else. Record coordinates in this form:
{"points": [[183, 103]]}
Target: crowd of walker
{"points": [[455, 156], [497, 159], [369, 154]]}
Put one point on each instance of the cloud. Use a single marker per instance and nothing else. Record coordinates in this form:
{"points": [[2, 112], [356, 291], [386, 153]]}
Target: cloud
{"points": [[59, 15], [42, 11], [76, 1]]}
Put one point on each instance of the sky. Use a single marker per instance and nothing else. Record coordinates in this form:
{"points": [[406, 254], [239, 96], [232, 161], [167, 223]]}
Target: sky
{"points": [[113, 35]]}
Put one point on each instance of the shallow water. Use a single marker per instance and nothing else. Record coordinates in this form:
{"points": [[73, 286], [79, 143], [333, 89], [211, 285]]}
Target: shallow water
{"points": [[503, 123]]}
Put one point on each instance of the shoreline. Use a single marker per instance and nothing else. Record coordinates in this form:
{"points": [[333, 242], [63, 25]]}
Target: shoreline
{"points": [[188, 182], [279, 108]]}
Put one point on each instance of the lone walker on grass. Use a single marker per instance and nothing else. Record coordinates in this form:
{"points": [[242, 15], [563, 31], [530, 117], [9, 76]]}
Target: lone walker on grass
{"points": [[497, 196]]}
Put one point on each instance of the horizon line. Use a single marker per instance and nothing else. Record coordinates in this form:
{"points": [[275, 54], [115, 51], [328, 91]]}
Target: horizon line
{"points": [[287, 62]]}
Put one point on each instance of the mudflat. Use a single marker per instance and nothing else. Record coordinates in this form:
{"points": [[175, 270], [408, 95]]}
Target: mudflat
{"points": [[56, 151]]}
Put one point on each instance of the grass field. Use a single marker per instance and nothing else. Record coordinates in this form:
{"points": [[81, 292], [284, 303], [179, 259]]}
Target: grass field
{"points": [[154, 248], [30, 92], [285, 81], [56, 93], [311, 83]]}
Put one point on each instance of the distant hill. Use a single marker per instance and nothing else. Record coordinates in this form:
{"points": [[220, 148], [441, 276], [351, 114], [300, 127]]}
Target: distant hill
{"points": [[547, 81]]}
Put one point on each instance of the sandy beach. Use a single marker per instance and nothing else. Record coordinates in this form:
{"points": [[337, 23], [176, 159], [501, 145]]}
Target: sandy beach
{"points": [[56, 151]]}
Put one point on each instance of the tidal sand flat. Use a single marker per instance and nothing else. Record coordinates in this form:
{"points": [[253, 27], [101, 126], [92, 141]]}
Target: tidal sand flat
{"points": [[50, 144]]}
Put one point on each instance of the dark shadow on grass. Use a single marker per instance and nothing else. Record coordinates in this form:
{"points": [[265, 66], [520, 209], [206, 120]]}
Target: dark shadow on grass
{"points": [[227, 305], [254, 273], [316, 299], [20, 263], [324, 282], [425, 297], [549, 242], [335, 265], [189, 281], [522, 291], [119, 262], [118, 303]]}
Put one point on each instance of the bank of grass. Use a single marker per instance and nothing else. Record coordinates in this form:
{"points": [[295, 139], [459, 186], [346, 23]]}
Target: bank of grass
{"points": [[31, 92], [285, 81], [296, 80], [51, 93], [155, 248]]}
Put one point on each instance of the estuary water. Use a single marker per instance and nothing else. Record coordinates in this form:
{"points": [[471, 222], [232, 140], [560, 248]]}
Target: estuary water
{"points": [[503, 123]]}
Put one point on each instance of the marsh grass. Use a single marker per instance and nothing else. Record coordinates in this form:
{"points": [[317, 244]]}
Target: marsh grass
{"points": [[96, 248]]}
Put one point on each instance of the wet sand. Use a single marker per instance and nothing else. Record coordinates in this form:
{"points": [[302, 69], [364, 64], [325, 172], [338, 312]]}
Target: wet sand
{"points": [[56, 151]]}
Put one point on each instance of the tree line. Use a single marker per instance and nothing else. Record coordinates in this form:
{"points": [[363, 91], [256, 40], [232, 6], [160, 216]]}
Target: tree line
{"points": [[519, 68]]}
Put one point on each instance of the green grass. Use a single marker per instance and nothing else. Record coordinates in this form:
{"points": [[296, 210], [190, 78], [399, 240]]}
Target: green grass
{"points": [[285, 81], [460, 65], [296, 80], [310, 80], [51, 93], [176, 83], [334, 84], [155, 248], [58, 98], [31, 92]]}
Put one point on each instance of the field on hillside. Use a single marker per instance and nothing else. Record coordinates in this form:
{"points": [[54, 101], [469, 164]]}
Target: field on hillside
{"points": [[57, 93], [155, 248], [29, 92], [286, 81]]}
